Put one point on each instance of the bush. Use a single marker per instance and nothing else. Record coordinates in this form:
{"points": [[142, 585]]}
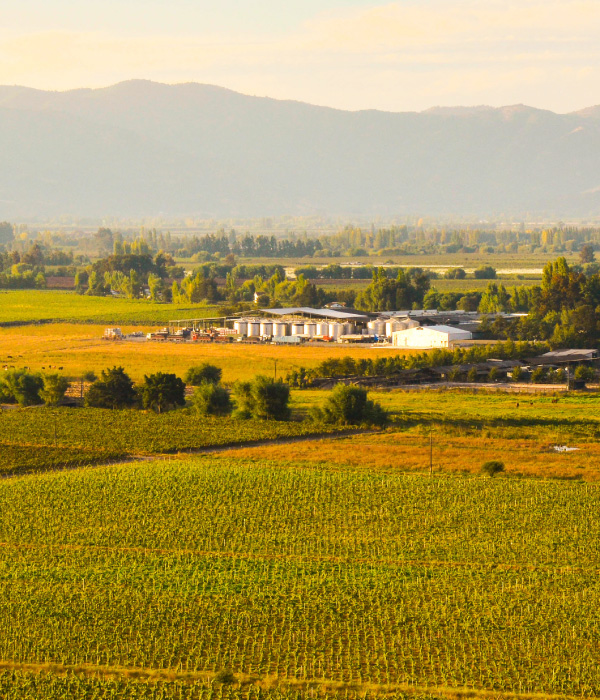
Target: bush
{"points": [[162, 391], [225, 677], [349, 405], [114, 389], [487, 272], [455, 273], [19, 386], [55, 388], [492, 467], [262, 398], [212, 400], [203, 373], [583, 373]]}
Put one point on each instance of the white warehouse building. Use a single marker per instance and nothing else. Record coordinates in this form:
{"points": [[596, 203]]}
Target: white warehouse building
{"points": [[425, 337]]}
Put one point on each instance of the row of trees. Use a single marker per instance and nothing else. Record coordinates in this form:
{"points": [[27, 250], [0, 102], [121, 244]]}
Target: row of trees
{"points": [[262, 398]]}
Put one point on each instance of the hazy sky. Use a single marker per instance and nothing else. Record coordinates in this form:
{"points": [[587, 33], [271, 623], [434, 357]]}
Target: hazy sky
{"points": [[352, 54]]}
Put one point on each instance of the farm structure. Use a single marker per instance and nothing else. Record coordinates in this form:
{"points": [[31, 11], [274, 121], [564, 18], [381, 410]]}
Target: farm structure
{"points": [[429, 337]]}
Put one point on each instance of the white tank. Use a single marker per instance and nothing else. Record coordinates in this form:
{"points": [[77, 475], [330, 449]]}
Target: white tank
{"points": [[412, 324], [376, 327], [392, 326], [322, 329], [280, 329], [241, 327], [310, 329], [253, 329], [335, 330], [266, 328], [297, 329], [348, 329]]}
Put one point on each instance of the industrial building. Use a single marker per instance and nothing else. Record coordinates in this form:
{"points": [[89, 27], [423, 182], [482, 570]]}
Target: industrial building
{"points": [[425, 337]]}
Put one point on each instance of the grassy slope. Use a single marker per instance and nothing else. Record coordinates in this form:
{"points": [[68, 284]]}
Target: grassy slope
{"points": [[308, 574]]}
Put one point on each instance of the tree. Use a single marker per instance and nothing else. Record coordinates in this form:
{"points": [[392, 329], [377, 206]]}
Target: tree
{"points": [[212, 399], [492, 467], [114, 389], [202, 374], [21, 387], [55, 388], [6, 232], [262, 398], [586, 254], [349, 405], [162, 391]]}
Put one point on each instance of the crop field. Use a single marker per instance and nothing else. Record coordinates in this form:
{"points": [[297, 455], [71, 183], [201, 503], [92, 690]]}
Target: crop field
{"points": [[37, 439], [33, 306], [147, 580]]}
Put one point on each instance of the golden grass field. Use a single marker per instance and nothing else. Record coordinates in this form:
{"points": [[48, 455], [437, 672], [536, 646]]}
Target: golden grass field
{"points": [[78, 348]]}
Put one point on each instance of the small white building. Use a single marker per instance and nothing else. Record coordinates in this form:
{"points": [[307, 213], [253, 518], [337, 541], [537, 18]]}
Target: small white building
{"points": [[424, 337]]}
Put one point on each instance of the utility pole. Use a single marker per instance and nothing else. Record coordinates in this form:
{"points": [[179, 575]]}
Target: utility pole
{"points": [[431, 450]]}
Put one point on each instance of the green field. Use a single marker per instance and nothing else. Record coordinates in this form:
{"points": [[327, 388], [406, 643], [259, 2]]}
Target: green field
{"points": [[39, 439], [33, 306], [354, 581]]}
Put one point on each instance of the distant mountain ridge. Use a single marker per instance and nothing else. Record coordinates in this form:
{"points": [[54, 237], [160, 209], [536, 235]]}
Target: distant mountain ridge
{"points": [[140, 148]]}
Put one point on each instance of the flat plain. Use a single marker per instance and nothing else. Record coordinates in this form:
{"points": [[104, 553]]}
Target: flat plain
{"points": [[338, 567]]}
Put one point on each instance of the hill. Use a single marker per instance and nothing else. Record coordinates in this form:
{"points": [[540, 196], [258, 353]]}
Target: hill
{"points": [[143, 148]]}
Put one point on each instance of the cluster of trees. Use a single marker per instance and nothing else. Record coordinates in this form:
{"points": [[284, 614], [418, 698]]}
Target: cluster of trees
{"points": [[30, 388], [388, 366], [407, 291], [262, 398]]}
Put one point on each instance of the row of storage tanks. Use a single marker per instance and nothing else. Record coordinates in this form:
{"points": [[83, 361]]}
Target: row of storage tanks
{"points": [[260, 328]]}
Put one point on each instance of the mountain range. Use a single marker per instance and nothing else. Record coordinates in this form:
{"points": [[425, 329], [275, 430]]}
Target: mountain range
{"points": [[141, 148]]}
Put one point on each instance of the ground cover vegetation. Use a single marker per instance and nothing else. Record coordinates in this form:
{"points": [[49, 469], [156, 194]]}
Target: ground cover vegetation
{"points": [[312, 575]]}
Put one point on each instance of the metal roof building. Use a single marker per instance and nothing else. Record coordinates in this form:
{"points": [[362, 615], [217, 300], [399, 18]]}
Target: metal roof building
{"points": [[316, 313]]}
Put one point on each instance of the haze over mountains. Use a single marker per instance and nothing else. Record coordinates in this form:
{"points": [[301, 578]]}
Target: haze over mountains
{"points": [[141, 148]]}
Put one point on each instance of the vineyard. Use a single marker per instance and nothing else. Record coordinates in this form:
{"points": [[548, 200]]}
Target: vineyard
{"points": [[154, 577], [41, 438]]}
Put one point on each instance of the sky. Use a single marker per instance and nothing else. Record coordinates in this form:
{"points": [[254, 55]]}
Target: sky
{"points": [[350, 54]]}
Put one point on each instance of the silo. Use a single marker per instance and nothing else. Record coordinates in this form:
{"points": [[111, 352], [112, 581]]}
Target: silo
{"points": [[376, 327], [348, 329], [322, 329], [412, 324], [310, 329], [253, 329], [297, 329], [335, 330], [280, 329], [241, 327], [266, 328]]}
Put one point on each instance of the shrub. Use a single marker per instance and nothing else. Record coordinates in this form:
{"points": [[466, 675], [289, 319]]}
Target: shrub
{"points": [[162, 391], [262, 398], [19, 386], [212, 399], [349, 405], [203, 373], [487, 272], [55, 388], [492, 467], [114, 389], [455, 273], [518, 374]]}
